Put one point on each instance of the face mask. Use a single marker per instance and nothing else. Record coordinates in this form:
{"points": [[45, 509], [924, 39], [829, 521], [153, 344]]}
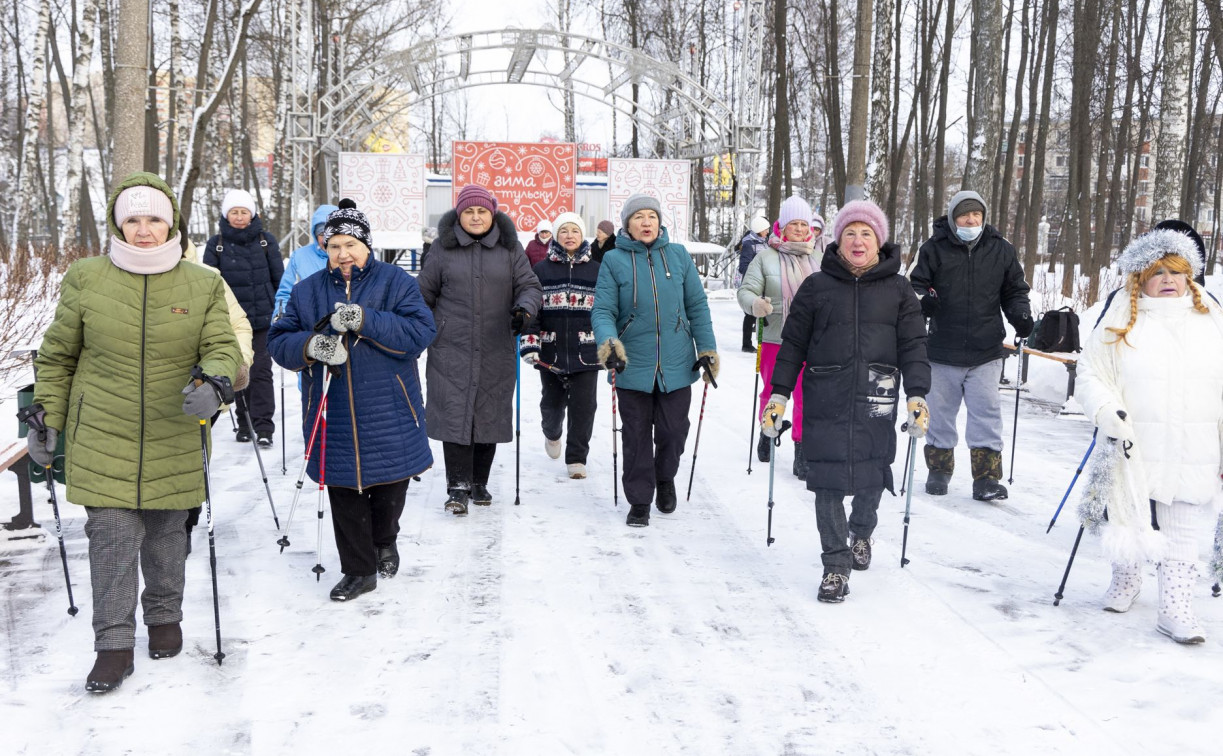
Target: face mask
{"points": [[968, 233]]}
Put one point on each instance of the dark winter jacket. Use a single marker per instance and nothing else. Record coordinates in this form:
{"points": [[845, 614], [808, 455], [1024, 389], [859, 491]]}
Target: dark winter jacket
{"points": [[537, 250], [306, 260], [472, 285], [975, 286], [249, 261], [597, 250], [750, 245], [653, 300], [562, 335], [857, 336], [375, 417]]}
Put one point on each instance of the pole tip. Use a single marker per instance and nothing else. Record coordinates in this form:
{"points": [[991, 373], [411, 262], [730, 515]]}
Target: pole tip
{"points": [[72, 610]]}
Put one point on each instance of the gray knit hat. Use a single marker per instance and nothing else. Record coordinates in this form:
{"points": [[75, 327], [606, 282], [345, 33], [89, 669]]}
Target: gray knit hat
{"points": [[636, 203]]}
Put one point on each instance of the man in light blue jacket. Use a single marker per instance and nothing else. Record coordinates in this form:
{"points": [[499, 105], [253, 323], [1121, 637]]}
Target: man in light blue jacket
{"points": [[305, 261]]}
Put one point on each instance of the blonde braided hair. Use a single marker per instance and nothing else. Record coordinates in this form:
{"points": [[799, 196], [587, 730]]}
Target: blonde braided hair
{"points": [[1135, 281]]}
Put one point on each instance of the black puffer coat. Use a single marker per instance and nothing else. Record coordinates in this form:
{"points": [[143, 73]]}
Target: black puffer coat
{"points": [[975, 286], [250, 262], [858, 336]]}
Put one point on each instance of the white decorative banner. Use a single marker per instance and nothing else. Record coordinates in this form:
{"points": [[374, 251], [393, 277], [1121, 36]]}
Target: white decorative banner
{"points": [[668, 180], [390, 190]]}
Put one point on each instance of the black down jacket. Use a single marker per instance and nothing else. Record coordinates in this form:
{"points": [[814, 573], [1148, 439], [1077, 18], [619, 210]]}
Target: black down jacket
{"points": [[858, 337], [250, 262], [975, 287]]}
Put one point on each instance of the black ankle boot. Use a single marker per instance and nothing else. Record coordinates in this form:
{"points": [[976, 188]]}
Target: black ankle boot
{"points": [[665, 497], [352, 586], [638, 517], [388, 560], [109, 671], [457, 503]]}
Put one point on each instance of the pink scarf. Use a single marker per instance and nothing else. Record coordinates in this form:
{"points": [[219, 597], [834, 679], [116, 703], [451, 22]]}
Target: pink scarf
{"points": [[145, 262], [795, 260]]}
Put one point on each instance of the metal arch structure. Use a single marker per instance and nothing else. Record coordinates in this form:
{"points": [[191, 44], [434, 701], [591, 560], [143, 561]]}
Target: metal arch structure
{"points": [[698, 123]]}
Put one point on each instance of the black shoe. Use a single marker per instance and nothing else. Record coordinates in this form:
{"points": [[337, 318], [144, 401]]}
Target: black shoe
{"points": [[480, 495], [665, 497], [988, 489], [265, 440], [936, 483], [242, 436], [109, 671], [388, 560], [352, 586], [165, 641], [833, 588], [800, 461], [457, 502], [747, 347], [638, 517], [860, 552], [762, 448]]}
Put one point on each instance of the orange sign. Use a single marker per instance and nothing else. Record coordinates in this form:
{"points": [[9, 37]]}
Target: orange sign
{"points": [[531, 181]]}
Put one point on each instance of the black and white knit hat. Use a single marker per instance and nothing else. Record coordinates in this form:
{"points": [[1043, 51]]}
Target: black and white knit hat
{"points": [[350, 221], [1155, 245]]}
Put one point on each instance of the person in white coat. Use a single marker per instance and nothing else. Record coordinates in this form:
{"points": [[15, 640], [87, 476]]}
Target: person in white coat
{"points": [[1151, 377]]}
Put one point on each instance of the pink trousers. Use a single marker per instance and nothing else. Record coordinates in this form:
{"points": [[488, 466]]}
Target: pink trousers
{"points": [[794, 409]]}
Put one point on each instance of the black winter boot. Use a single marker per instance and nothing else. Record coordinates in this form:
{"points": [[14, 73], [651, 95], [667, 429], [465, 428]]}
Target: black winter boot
{"points": [[665, 497], [480, 495], [388, 560], [762, 448], [457, 502], [941, 464], [109, 671], [638, 517], [352, 586], [986, 472], [165, 640], [800, 461]]}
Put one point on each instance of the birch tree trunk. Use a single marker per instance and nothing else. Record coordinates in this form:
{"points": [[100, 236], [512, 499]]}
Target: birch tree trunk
{"points": [[28, 161], [78, 119], [859, 103], [1173, 110], [131, 84], [878, 178], [176, 129], [986, 124]]}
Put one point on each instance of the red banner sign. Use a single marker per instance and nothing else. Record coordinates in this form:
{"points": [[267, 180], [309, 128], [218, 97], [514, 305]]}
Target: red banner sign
{"points": [[532, 182]]}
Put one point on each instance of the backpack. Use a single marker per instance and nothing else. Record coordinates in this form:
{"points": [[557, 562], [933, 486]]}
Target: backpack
{"points": [[1056, 331]]}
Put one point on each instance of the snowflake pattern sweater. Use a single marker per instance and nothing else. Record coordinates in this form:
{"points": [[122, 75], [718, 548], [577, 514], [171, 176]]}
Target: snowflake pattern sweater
{"points": [[562, 335]]}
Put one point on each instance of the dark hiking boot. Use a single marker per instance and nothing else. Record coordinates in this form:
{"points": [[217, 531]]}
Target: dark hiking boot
{"points": [[941, 464], [388, 560], [747, 347], [833, 588], [352, 586], [480, 495], [665, 496], [165, 640], [457, 503], [986, 472], [242, 435], [860, 551], [109, 671], [800, 461], [265, 440], [762, 448], [638, 517]]}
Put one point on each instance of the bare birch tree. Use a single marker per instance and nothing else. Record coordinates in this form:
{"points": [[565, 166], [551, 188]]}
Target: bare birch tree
{"points": [[1173, 108], [28, 166]]}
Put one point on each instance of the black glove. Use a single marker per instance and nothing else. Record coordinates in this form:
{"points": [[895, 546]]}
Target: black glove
{"points": [[1023, 326], [518, 320], [41, 440], [930, 304]]}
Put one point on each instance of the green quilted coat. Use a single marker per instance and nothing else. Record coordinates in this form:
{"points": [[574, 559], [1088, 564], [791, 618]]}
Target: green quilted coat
{"points": [[110, 372]]}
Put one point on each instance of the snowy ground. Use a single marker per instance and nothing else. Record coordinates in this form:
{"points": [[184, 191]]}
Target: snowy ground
{"points": [[551, 628]]}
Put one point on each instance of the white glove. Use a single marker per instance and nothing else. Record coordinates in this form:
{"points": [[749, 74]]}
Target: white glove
{"points": [[762, 307], [531, 358], [774, 411], [1114, 423], [919, 416]]}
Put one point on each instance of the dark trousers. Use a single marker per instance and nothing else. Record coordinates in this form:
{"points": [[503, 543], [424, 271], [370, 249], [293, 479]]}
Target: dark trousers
{"points": [[749, 328], [577, 392], [365, 521], [259, 398], [834, 530], [654, 431], [467, 464]]}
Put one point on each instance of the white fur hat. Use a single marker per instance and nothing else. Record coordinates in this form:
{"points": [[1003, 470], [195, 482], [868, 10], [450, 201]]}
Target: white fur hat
{"points": [[1155, 245]]}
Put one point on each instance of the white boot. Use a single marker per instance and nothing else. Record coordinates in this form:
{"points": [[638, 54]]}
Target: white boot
{"points": [[1176, 619], [1126, 585], [577, 470], [553, 448]]}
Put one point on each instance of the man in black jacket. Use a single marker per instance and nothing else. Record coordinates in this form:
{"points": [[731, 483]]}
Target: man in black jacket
{"points": [[967, 276]]}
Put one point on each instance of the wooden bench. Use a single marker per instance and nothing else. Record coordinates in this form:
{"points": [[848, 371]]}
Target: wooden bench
{"points": [[13, 456], [1070, 361]]}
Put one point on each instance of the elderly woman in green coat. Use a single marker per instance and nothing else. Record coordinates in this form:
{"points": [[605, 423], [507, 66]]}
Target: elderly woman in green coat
{"points": [[115, 377]]}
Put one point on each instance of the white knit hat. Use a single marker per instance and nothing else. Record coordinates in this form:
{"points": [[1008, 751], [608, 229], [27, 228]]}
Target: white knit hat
{"points": [[573, 218], [237, 198], [543, 226]]}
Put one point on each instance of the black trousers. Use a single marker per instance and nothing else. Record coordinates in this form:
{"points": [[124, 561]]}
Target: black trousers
{"points": [[654, 432], [578, 393], [467, 464], [749, 328], [365, 521], [259, 398], [834, 530]]}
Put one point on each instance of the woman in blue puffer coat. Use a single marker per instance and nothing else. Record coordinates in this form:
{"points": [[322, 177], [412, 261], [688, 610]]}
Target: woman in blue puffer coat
{"points": [[375, 326], [651, 321]]}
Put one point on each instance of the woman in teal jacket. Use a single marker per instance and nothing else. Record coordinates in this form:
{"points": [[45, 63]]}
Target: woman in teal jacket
{"points": [[651, 321]]}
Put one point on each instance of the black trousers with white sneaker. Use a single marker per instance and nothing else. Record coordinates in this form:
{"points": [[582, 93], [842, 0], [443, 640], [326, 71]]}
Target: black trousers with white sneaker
{"points": [[655, 428], [365, 521], [577, 393]]}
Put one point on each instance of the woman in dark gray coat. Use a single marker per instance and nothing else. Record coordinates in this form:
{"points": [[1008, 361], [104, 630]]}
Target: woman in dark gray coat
{"points": [[479, 284]]}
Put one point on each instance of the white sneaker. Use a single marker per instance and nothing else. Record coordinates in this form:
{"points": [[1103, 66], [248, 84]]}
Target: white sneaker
{"points": [[1124, 588], [552, 447], [577, 470], [1176, 618]]}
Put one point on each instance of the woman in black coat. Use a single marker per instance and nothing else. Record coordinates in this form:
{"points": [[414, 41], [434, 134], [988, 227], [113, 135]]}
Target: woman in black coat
{"points": [[858, 327]]}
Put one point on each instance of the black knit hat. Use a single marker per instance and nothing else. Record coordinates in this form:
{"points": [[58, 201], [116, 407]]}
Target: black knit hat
{"points": [[350, 221]]}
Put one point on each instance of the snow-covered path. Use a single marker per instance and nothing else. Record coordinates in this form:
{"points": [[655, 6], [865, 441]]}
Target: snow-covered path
{"points": [[551, 628]]}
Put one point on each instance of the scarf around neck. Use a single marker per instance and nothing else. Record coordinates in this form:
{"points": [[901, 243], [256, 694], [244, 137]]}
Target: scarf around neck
{"points": [[145, 261], [795, 259]]}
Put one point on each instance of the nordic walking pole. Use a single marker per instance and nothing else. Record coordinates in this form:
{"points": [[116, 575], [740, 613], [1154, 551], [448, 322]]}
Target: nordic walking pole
{"points": [[751, 433], [232, 423], [1073, 480], [1018, 385], [702, 364], [34, 417], [212, 541], [283, 541], [259, 459], [284, 460], [1057, 597], [773, 445], [908, 454], [911, 462], [615, 446], [517, 418], [318, 569]]}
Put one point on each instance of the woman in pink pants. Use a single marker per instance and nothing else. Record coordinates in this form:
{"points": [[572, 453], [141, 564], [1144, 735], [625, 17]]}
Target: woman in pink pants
{"points": [[794, 252]]}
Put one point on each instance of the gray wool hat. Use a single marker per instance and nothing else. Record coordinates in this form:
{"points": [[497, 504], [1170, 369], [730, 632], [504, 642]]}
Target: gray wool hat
{"points": [[965, 202], [636, 203], [1156, 245]]}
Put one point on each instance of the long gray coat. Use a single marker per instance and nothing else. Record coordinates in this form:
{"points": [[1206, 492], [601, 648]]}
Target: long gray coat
{"points": [[471, 286]]}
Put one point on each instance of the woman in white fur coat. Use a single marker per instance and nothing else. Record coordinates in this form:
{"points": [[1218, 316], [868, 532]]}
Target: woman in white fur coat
{"points": [[1151, 376]]}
